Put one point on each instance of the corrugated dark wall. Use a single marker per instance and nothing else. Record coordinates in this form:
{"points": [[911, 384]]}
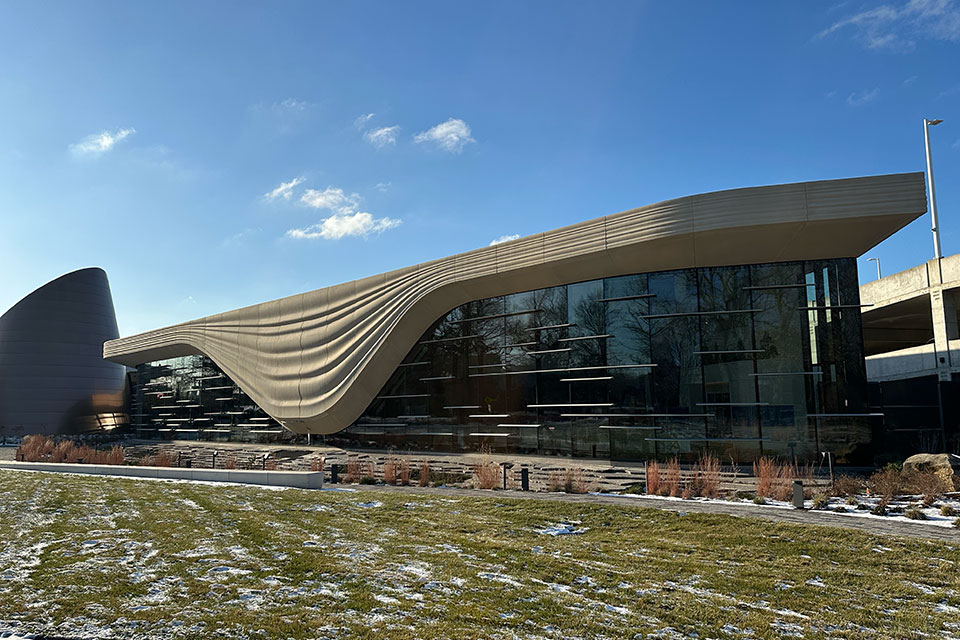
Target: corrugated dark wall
{"points": [[53, 378]]}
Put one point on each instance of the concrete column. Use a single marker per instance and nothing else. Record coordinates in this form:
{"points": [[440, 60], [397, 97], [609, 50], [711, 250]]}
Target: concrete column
{"points": [[943, 312]]}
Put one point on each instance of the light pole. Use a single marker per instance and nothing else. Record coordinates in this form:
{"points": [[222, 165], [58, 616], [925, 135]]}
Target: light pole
{"points": [[877, 260], [933, 192]]}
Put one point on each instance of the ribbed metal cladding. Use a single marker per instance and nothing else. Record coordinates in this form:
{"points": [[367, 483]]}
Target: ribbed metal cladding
{"points": [[52, 375], [315, 361]]}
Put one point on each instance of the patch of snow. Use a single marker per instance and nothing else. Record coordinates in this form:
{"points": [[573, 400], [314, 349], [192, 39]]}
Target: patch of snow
{"points": [[562, 529], [379, 597], [499, 577], [943, 607]]}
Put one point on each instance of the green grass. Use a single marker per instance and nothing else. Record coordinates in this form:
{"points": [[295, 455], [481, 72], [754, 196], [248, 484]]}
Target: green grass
{"points": [[163, 559]]}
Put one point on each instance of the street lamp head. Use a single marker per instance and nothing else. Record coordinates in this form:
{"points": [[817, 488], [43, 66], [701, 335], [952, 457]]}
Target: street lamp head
{"points": [[934, 122]]}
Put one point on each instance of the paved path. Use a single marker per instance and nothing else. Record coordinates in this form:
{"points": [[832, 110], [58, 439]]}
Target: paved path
{"points": [[737, 509]]}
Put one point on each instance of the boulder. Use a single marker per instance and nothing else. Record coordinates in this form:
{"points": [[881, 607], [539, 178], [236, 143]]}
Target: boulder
{"points": [[945, 465]]}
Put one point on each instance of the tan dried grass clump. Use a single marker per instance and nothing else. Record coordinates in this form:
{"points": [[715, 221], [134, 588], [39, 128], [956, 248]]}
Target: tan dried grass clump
{"points": [[707, 473], [486, 472], [38, 448], [767, 473], [568, 481], [653, 478], [404, 472], [390, 467], [160, 459], [670, 483], [353, 471]]}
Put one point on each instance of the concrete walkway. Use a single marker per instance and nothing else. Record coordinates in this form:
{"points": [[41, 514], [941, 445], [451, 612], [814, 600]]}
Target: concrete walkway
{"points": [[874, 526]]}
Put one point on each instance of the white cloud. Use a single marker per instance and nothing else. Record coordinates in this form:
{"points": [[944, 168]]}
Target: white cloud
{"points": [[332, 198], [285, 190], [362, 121], [451, 135], [504, 239], [898, 27], [956, 145], [346, 219], [383, 187], [99, 143], [860, 98], [290, 105], [382, 137], [342, 225]]}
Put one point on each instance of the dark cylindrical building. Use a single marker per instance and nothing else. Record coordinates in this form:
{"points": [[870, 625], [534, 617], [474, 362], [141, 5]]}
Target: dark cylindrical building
{"points": [[53, 378]]}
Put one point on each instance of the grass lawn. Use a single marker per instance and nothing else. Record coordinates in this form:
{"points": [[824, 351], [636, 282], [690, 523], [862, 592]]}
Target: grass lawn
{"points": [[104, 557]]}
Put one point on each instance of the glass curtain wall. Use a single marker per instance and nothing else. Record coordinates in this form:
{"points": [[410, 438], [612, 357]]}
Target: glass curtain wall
{"points": [[190, 398], [740, 361]]}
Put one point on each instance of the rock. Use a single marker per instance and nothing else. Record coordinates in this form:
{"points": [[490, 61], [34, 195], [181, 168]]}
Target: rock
{"points": [[945, 465]]}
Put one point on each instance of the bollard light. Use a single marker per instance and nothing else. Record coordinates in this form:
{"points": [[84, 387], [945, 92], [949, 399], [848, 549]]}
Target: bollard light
{"points": [[798, 494]]}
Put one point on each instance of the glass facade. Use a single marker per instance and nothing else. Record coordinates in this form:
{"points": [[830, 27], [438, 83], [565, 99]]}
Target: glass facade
{"points": [[190, 398], [741, 361]]}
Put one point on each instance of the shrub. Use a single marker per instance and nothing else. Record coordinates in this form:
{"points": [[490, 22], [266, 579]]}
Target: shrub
{"points": [[887, 482], [708, 476], [759, 500], [670, 484], [927, 484], [880, 509], [915, 513], [230, 463], [840, 508], [638, 488], [653, 478], [687, 493], [956, 523], [404, 472], [316, 464], [847, 486], [424, 474], [852, 501], [948, 510], [820, 501]]}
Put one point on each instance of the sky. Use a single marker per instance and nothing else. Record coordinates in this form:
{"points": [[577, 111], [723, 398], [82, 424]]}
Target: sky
{"points": [[211, 155]]}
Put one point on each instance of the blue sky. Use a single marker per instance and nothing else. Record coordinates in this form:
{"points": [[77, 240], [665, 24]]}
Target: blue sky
{"points": [[212, 155]]}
